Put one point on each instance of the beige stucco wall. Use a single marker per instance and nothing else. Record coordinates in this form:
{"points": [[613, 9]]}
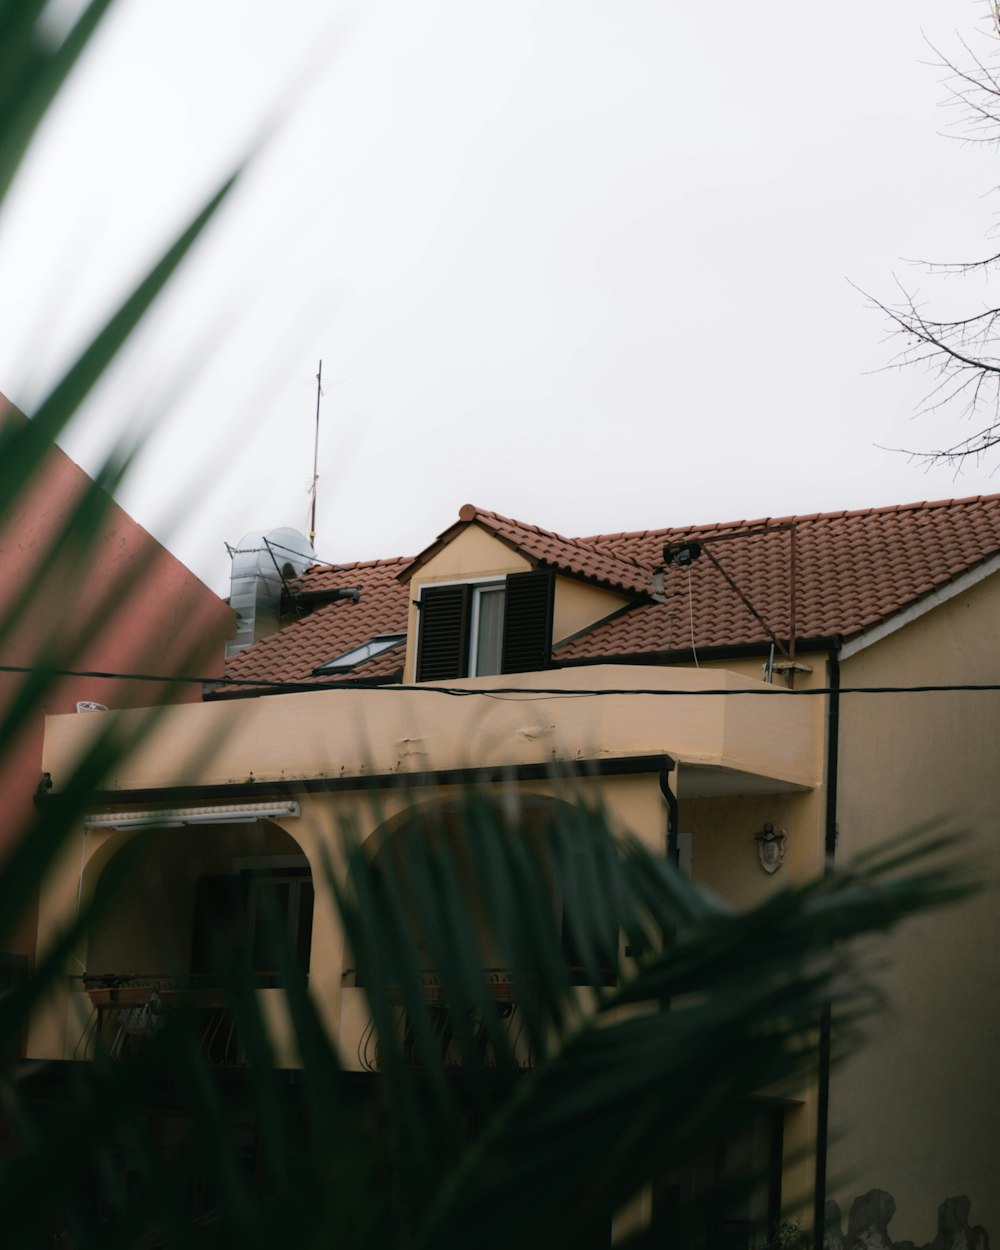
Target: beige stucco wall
{"points": [[472, 555], [578, 605], [918, 1108], [724, 852], [724, 857], [353, 732]]}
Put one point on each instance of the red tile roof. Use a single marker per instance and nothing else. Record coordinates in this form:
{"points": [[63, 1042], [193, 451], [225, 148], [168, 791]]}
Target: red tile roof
{"points": [[571, 556], [853, 571], [292, 654]]}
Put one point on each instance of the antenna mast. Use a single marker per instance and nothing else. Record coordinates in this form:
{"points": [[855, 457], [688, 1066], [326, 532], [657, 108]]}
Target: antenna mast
{"points": [[315, 481]]}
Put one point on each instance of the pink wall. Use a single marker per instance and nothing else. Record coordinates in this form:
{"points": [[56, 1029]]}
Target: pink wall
{"points": [[120, 603]]}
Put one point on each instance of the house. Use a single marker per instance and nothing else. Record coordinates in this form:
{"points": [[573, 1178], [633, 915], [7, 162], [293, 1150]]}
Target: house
{"points": [[112, 602], [853, 669]]}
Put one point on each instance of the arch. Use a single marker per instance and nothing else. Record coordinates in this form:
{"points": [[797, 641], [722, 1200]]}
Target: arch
{"points": [[190, 886], [525, 808], [527, 814], [423, 915]]}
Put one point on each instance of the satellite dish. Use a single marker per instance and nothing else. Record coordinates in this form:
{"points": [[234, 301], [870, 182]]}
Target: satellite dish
{"points": [[87, 705]]}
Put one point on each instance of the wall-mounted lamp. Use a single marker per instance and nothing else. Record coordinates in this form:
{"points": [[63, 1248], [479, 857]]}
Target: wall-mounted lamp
{"points": [[175, 817], [771, 845]]}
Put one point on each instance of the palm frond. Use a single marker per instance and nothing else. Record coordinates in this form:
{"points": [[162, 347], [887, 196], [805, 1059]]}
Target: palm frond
{"points": [[627, 1079], [36, 58]]}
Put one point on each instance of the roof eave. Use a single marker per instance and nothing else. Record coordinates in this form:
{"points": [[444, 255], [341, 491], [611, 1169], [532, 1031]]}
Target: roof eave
{"points": [[535, 561], [429, 552], [684, 655], [920, 607]]}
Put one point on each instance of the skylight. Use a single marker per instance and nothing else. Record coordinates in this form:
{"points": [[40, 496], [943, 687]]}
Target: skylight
{"points": [[357, 655]]}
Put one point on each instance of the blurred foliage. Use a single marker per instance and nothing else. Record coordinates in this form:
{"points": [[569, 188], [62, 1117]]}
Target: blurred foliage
{"points": [[650, 1016]]}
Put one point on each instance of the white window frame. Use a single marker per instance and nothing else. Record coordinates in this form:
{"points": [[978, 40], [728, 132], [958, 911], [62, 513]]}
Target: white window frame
{"points": [[478, 589]]}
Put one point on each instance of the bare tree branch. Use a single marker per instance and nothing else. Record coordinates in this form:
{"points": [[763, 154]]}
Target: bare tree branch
{"points": [[962, 355]]}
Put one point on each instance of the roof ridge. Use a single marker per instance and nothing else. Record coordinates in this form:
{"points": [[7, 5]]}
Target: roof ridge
{"points": [[469, 512], [834, 515], [320, 567]]}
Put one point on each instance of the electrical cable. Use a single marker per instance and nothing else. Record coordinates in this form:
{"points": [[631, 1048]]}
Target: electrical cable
{"points": [[694, 650], [531, 693]]}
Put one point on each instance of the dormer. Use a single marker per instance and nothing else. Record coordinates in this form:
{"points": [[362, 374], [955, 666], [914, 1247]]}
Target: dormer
{"points": [[491, 595]]}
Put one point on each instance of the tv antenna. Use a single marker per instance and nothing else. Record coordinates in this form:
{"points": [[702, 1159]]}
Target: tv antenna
{"points": [[315, 477]]}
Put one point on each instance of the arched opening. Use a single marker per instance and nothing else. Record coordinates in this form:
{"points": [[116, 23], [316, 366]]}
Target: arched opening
{"points": [[197, 893], [199, 902], [444, 824], [451, 838]]}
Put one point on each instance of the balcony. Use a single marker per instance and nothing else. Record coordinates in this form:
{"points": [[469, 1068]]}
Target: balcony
{"points": [[119, 1013], [360, 1043]]}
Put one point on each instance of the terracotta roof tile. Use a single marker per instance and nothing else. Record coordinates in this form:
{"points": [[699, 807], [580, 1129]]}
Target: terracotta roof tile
{"points": [[853, 570], [331, 576], [292, 654]]}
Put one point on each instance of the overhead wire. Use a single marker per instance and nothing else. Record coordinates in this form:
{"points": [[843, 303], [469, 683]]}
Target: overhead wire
{"points": [[524, 692], [694, 649]]}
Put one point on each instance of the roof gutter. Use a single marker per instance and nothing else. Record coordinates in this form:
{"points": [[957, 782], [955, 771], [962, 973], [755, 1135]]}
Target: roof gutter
{"points": [[734, 651], [553, 770], [957, 586]]}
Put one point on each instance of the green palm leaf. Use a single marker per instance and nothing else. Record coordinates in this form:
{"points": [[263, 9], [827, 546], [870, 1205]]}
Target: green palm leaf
{"points": [[657, 1067], [558, 1016]]}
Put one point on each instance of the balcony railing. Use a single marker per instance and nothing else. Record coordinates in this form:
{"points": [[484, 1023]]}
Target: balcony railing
{"points": [[128, 1009], [445, 1027], [121, 1012]]}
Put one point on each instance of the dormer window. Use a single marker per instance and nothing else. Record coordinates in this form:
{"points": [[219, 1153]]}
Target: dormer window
{"points": [[476, 629], [486, 629], [358, 655]]}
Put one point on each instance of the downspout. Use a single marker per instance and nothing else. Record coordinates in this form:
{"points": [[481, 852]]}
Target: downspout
{"points": [[826, 1016], [673, 851]]}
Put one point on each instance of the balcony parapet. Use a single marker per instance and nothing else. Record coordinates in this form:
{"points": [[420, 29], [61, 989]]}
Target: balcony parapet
{"points": [[600, 712], [441, 1014], [126, 1010]]}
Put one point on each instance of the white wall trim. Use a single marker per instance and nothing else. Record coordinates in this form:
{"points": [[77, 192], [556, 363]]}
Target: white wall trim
{"points": [[927, 604]]}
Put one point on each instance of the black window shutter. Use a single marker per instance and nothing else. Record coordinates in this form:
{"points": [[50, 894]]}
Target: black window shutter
{"points": [[443, 653], [527, 630]]}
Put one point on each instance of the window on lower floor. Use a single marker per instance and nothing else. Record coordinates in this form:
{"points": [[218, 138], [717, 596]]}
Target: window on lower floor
{"points": [[476, 629], [256, 907]]}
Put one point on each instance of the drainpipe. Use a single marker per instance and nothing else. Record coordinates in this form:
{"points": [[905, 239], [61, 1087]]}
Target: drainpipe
{"points": [[826, 1016], [673, 851]]}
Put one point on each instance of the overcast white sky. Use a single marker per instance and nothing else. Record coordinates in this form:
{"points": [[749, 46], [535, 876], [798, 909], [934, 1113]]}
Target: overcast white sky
{"points": [[583, 262]]}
